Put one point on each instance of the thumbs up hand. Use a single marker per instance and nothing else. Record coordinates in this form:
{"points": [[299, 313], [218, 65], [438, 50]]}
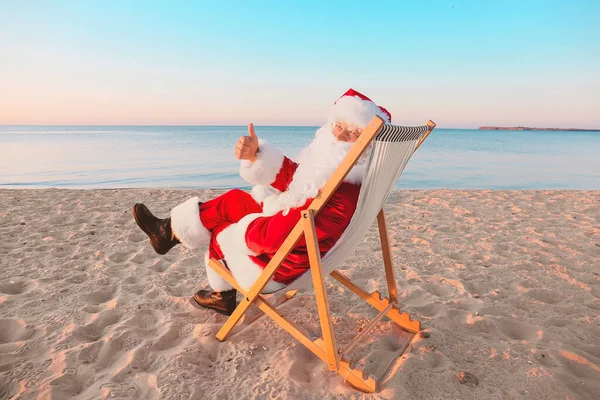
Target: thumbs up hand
{"points": [[247, 146]]}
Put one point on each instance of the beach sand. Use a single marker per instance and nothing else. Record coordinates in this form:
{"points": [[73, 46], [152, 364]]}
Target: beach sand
{"points": [[507, 283]]}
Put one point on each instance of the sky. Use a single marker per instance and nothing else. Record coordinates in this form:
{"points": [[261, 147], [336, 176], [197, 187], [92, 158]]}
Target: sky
{"points": [[460, 63]]}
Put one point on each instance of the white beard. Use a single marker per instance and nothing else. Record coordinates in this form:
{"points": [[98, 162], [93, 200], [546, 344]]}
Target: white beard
{"points": [[316, 164]]}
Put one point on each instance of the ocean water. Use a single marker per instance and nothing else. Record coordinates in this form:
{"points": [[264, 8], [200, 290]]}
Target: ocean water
{"points": [[203, 157]]}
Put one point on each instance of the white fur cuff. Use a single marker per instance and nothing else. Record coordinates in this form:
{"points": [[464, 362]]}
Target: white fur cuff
{"points": [[259, 193], [264, 170], [215, 281], [186, 224], [232, 242], [239, 234]]}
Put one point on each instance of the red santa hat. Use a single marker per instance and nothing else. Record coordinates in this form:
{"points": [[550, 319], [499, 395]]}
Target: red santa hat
{"points": [[357, 109]]}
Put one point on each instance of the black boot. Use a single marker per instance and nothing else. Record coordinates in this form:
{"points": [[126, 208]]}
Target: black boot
{"points": [[158, 230], [221, 302]]}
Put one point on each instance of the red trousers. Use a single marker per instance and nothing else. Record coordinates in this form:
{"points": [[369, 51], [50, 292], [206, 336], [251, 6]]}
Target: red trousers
{"points": [[222, 211]]}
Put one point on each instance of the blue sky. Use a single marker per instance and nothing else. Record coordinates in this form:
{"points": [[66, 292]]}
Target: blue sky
{"points": [[460, 63]]}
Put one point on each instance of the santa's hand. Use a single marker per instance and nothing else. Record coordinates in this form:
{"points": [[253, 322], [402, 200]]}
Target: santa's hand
{"points": [[247, 146]]}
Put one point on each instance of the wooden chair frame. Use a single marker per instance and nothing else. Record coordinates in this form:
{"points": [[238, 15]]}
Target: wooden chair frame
{"points": [[325, 347]]}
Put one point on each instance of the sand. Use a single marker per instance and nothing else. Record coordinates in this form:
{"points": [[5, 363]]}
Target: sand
{"points": [[506, 283]]}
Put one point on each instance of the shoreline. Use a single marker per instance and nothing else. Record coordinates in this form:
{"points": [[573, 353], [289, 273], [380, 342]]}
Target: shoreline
{"points": [[505, 282]]}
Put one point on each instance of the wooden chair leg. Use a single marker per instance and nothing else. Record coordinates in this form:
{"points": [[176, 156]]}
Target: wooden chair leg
{"points": [[357, 377], [375, 300], [262, 281], [314, 257], [387, 258], [242, 307], [352, 375]]}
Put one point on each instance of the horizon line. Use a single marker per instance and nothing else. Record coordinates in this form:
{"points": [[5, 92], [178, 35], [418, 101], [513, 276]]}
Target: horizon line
{"points": [[507, 127], [182, 125]]}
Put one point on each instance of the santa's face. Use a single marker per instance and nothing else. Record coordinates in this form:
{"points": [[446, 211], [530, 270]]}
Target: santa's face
{"points": [[345, 133]]}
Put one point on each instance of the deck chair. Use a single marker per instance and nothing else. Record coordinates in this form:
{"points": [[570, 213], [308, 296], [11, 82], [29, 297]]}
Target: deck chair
{"points": [[392, 148]]}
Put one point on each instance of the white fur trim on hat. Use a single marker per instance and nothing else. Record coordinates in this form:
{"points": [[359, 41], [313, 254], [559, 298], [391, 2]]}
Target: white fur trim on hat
{"points": [[232, 241], [264, 170], [216, 282], [186, 224], [355, 111]]}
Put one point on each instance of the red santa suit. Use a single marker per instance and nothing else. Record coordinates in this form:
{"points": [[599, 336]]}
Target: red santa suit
{"points": [[246, 230]]}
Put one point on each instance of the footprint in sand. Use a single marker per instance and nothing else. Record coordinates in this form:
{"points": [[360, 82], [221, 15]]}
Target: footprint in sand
{"points": [[104, 356], [123, 391], [137, 237], [118, 257], [90, 352], [144, 319], [139, 360], [198, 365], [461, 255], [131, 280], [546, 296], [15, 330], [435, 361], [137, 290], [140, 259], [91, 309], [99, 297], [77, 279], [129, 342], [175, 334], [305, 361], [160, 267], [360, 275], [477, 285], [516, 330], [67, 385], [182, 290], [95, 329], [437, 290], [8, 388], [299, 372], [17, 286]]}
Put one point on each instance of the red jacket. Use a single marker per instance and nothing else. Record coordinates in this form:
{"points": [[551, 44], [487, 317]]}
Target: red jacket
{"points": [[265, 235]]}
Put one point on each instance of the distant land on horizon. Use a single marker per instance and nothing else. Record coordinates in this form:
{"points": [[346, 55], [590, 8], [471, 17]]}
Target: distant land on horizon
{"points": [[526, 128]]}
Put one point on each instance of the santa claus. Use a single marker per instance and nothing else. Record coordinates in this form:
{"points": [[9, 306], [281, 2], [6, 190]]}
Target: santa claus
{"points": [[244, 230]]}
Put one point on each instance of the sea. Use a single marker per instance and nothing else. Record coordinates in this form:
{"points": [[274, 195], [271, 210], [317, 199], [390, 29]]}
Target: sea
{"points": [[93, 157]]}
